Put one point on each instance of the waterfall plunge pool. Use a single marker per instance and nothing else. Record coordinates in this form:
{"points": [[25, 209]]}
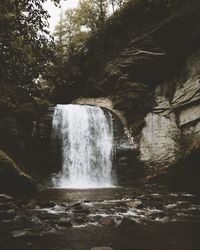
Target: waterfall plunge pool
{"points": [[123, 219]]}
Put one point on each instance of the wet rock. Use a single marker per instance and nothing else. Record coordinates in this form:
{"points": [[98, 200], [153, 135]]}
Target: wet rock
{"points": [[8, 206], [7, 215], [65, 222], [67, 208], [26, 233], [47, 204], [36, 220], [80, 219], [31, 204], [81, 211], [135, 204], [158, 205], [107, 221], [12, 179], [64, 205], [76, 205], [94, 218], [78, 208], [21, 219], [5, 198], [87, 201], [21, 233], [162, 219], [121, 209], [156, 196], [48, 216]]}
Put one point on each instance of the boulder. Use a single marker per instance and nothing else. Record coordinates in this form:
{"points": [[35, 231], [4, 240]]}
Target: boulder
{"points": [[7, 215]]}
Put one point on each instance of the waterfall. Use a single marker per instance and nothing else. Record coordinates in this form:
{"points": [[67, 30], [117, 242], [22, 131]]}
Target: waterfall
{"points": [[85, 134]]}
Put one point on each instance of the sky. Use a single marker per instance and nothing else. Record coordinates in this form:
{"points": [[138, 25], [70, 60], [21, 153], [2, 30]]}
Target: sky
{"points": [[55, 11]]}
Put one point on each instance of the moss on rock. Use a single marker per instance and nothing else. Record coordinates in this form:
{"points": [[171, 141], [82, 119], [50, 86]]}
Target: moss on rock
{"points": [[12, 179]]}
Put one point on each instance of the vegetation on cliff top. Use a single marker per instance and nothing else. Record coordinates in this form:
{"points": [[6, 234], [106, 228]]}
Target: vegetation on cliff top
{"points": [[141, 45]]}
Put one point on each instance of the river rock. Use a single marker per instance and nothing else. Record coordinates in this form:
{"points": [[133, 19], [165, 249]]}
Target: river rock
{"points": [[126, 222], [65, 222], [79, 209], [76, 205], [36, 220], [94, 218], [21, 219], [107, 221], [25, 233]]}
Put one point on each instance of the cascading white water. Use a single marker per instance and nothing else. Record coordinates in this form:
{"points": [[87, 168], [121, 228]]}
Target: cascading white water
{"points": [[86, 137]]}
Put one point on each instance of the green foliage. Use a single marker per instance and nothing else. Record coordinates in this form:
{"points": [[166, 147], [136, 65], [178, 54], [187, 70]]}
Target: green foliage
{"points": [[76, 25], [25, 48], [87, 14]]}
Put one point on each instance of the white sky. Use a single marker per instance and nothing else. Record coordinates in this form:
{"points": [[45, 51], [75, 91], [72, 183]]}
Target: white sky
{"points": [[55, 11]]}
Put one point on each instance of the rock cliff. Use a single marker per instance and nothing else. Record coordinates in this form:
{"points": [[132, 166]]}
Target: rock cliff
{"points": [[175, 121]]}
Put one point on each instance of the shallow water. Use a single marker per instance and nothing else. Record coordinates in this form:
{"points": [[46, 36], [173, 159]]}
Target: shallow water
{"points": [[122, 218]]}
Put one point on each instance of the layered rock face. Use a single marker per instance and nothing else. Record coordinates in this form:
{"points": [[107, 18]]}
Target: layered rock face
{"points": [[175, 120]]}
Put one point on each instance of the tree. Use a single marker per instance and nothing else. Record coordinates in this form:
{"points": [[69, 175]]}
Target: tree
{"points": [[72, 28], [113, 3], [86, 14], [68, 33], [59, 34], [92, 13], [101, 7]]}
